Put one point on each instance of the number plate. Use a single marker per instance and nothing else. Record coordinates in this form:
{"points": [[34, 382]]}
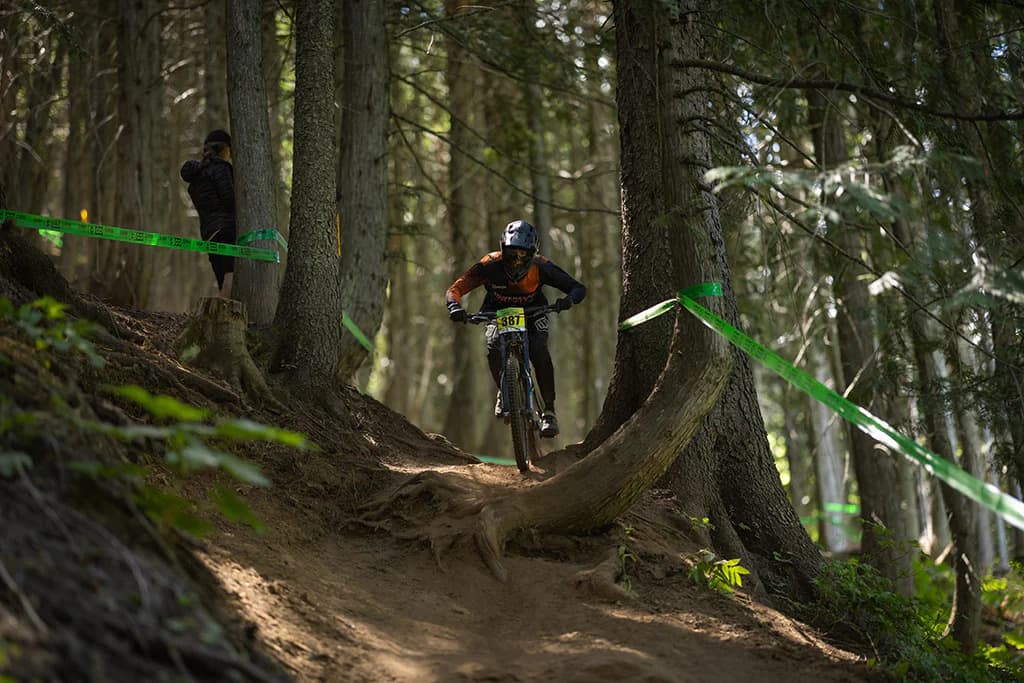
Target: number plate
{"points": [[511, 320]]}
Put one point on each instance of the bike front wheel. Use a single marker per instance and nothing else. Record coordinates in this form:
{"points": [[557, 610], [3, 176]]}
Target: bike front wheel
{"points": [[519, 421]]}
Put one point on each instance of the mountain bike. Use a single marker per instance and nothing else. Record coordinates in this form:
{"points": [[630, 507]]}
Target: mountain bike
{"points": [[521, 404]]}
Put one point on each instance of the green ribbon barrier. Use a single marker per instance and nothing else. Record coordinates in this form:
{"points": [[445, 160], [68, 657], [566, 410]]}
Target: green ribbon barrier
{"points": [[490, 459], [356, 332], [1007, 507], [257, 235], [60, 225], [152, 239], [847, 508]]}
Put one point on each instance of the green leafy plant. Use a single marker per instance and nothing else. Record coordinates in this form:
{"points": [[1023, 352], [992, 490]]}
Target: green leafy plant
{"points": [[45, 322], [854, 599], [701, 523], [190, 444], [1004, 598], [626, 557], [724, 576]]}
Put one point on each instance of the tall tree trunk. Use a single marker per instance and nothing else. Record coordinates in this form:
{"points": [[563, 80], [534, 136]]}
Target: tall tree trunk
{"points": [[728, 473], [646, 269], [139, 106], [829, 459], [255, 282], [997, 224], [215, 65], [362, 175], [460, 75], [36, 151], [884, 527], [274, 59], [104, 256], [965, 616], [309, 312], [78, 164], [533, 98]]}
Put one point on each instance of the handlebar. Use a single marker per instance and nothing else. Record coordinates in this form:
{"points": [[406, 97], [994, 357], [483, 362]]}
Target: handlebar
{"points": [[484, 316]]}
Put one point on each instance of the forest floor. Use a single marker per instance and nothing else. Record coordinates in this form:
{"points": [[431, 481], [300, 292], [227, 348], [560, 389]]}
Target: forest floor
{"points": [[92, 590]]}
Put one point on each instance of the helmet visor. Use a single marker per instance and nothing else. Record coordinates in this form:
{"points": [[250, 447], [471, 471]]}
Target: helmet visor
{"points": [[517, 259]]}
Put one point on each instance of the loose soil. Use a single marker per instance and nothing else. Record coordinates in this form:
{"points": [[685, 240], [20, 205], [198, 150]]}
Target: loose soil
{"points": [[93, 590]]}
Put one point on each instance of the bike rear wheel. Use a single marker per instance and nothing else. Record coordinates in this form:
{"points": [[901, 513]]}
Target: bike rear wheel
{"points": [[519, 421]]}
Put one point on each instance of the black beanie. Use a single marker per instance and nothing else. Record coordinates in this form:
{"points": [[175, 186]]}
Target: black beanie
{"points": [[218, 136]]}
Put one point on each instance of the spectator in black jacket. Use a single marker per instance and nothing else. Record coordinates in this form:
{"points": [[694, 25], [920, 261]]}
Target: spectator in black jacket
{"points": [[211, 186]]}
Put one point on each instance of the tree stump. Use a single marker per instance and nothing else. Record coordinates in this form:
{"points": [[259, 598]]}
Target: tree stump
{"points": [[215, 340]]}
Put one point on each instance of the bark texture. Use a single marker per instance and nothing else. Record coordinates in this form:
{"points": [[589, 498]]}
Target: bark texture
{"points": [[215, 340], [646, 268], [466, 368], [362, 176], [255, 282], [309, 313]]}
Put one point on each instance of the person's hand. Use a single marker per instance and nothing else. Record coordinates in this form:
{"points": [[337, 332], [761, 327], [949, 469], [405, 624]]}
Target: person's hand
{"points": [[457, 314], [563, 304]]}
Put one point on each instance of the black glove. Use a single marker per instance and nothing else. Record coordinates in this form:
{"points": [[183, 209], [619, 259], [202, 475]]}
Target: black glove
{"points": [[563, 304], [457, 314]]}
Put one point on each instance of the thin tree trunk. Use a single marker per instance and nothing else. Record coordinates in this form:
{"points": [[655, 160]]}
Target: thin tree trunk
{"points": [[965, 617], [996, 223], [77, 166], [460, 76], [280, 135], [829, 460], [884, 526], [215, 65], [139, 104], [362, 175], [533, 97], [255, 282]]}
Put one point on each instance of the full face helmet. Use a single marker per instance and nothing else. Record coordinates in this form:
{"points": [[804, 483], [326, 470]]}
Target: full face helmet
{"points": [[518, 246]]}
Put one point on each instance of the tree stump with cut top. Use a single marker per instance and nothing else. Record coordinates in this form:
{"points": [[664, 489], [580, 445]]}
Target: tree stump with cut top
{"points": [[214, 340]]}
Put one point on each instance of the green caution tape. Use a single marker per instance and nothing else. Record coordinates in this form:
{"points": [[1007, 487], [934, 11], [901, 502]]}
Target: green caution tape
{"points": [[490, 459], [1008, 507], [847, 508], [356, 332], [257, 235], [108, 232], [152, 239]]}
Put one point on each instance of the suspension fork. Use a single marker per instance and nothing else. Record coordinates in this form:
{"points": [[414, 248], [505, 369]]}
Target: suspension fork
{"points": [[525, 369]]}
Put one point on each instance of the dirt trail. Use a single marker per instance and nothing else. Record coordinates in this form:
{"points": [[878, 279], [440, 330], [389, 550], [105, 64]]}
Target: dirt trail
{"points": [[329, 600], [346, 606]]}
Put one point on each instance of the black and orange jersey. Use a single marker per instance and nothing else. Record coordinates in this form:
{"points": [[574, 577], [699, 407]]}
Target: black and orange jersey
{"points": [[501, 292]]}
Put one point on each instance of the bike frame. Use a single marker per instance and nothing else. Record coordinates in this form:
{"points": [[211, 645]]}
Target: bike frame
{"points": [[510, 339], [513, 329]]}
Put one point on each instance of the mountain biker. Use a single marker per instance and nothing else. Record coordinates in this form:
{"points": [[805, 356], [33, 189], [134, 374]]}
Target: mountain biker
{"points": [[514, 276]]}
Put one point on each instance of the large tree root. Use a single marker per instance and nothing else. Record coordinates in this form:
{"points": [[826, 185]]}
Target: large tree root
{"points": [[444, 511], [215, 340]]}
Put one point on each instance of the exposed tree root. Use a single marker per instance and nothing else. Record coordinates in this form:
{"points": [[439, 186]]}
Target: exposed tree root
{"points": [[444, 511], [602, 580], [215, 339]]}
